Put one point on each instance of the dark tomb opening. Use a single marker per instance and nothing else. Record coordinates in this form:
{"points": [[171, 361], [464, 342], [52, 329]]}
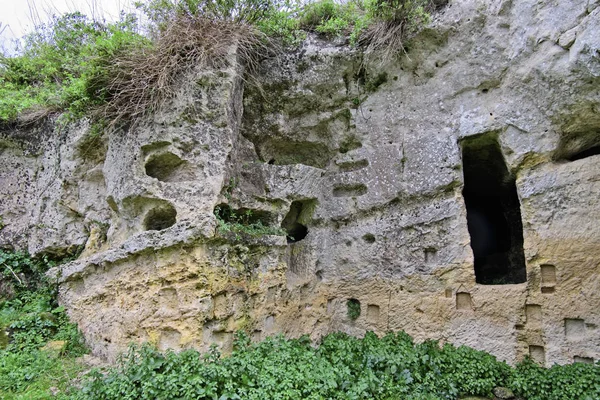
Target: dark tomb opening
{"points": [[296, 219], [493, 213]]}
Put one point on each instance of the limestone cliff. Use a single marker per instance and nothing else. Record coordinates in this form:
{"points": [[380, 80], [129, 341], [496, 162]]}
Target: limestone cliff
{"points": [[452, 193]]}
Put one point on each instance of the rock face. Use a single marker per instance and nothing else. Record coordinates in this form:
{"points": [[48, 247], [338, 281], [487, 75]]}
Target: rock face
{"points": [[452, 194]]}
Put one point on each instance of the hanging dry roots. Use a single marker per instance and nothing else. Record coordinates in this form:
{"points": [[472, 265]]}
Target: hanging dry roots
{"points": [[141, 79], [384, 38]]}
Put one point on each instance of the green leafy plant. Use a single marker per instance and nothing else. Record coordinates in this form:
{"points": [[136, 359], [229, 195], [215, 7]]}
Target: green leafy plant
{"points": [[341, 367], [63, 67], [30, 318], [559, 382], [353, 309], [245, 223]]}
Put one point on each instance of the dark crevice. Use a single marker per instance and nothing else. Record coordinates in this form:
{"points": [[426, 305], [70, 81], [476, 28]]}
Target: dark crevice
{"points": [[592, 151], [349, 190], [289, 152], [577, 145], [493, 213], [297, 218]]}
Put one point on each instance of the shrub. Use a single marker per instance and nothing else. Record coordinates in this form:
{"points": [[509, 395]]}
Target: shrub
{"points": [[32, 317], [113, 73], [341, 367], [559, 382], [61, 67], [229, 221], [391, 23]]}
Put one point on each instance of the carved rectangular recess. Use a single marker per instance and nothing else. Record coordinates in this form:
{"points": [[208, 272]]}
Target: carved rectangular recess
{"points": [[430, 255], [574, 328], [373, 312], [538, 354], [463, 301], [548, 275], [534, 314]]}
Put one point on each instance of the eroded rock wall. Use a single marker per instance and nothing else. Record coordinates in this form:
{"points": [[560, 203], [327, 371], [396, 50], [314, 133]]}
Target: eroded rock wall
{"points": [[365, 162]]}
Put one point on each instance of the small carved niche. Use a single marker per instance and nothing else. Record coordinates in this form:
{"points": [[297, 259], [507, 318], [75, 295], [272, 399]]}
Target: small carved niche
{"points": [[548, 273], [269, 323], [430, 254], [538, 354], [169, 339], [574, 328], [534, 314], [373, 313], [463, 301]]}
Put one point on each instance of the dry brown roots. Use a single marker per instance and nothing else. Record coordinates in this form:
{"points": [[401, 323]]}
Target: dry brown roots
{"points": [[384, 39], [142, 79]]}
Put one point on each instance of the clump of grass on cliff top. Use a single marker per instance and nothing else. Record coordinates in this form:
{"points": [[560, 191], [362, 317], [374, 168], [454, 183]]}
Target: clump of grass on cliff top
{"points": [[121, 71], [143, 78]]}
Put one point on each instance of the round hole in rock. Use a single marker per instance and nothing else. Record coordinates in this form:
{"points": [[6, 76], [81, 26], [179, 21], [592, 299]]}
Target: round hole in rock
{"points": [[160, 218], [369, 238], [293, 223], [163, 167], [296, 233]]}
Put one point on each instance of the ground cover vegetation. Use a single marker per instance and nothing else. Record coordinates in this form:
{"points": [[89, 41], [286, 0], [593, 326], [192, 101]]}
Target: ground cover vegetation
{"points": [[38, 345], [118, 72], [339, 367]]}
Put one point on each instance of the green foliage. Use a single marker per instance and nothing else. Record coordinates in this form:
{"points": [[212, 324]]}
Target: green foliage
{"points": [[61, 66], [247, 11], [21, 273], [282, 22], [342, 367], [32, 318], [335, 19], [559, 382], [413, 13], [353, 309], [275, 18], [400, 18], [246, 223]]}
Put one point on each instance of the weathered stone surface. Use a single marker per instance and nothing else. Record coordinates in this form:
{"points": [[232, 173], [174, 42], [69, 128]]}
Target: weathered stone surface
{"points": [[373, 154]]}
